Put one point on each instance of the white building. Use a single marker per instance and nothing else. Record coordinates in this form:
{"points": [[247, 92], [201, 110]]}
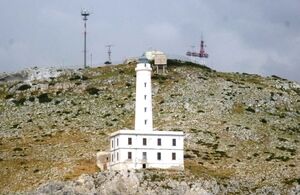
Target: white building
{"points": [[150, 55], [144, 147]]}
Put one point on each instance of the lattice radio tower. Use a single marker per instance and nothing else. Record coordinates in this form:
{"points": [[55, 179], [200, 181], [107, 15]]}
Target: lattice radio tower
{"points": [[84, 14]]}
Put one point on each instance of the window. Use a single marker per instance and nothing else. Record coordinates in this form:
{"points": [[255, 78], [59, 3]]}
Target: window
{"points": [[145, 109], [129, 155], [129, 141], [112, 143], [117, 156], [158, 156], [159, 142], [174, 142], [145, 122], [112, 158], [145, 97], [145, 84], [145, 65], [144, 141], [173, 156], [144, 155], [117, 141]]}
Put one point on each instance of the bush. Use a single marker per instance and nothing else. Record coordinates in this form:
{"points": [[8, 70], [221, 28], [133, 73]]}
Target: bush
{"points": [[24, 87], [9, 96], [263, 120], [92, 91], [75, 77], [84, 78], [19, 102], [31, 99], [43, 98], [249, 109]]}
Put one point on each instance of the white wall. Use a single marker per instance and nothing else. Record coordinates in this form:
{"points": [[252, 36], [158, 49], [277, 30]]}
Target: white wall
{"points": [[137, 148]]}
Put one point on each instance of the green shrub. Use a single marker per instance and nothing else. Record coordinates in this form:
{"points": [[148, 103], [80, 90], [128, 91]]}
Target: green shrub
{"points": [[263, 120], [9, 96], [43, 98], [24, 87], [92, 91], [249, 109], [31, 99], [19, 102]]}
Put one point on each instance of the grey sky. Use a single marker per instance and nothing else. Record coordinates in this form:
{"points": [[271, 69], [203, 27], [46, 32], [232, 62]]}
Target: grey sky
{"points": [[257, 36]]}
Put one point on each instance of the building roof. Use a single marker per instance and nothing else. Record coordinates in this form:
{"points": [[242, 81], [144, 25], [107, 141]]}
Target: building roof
{"points": [[134, 132]]}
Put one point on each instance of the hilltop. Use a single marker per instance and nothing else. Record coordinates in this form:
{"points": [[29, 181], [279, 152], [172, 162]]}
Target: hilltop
{"points": [[242, 130]]}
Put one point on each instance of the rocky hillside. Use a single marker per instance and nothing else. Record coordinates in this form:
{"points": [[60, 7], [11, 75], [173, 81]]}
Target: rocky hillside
{"points": [[242, 130]]}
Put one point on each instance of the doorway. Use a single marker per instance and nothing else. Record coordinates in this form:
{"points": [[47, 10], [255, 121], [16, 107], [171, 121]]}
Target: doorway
{"points": [[144, 166]]}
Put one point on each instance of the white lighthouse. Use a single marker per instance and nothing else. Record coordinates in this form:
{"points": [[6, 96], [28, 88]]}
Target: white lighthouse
{"points": [[144, 147], [143, 104]]}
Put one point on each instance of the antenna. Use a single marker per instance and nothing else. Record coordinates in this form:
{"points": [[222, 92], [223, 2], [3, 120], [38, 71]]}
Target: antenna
{"points": [[84, 14], [202, 53], [109, 52]]}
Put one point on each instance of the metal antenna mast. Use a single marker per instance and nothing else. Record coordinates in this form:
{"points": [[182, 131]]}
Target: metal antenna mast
{"points": [[84, 14], [109, 52]]}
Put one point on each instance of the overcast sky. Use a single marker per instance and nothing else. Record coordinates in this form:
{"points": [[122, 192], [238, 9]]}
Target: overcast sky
{"points": [[254, 36]]}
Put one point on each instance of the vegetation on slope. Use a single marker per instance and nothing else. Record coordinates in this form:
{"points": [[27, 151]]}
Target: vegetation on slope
{"points": [[240, 128]]}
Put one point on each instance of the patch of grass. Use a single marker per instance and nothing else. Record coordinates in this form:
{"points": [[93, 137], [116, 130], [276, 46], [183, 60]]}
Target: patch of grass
{"points": [[178, 63], [156, 177], [82, 167], [237, 108], [199, 170]]}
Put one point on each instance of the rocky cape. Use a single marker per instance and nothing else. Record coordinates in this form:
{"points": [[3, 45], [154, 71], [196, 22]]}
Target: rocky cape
{"points": [[242, 131]]}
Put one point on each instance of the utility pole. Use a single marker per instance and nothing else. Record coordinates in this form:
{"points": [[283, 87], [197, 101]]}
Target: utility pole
{"points": [[91, 59], [84, 14]]}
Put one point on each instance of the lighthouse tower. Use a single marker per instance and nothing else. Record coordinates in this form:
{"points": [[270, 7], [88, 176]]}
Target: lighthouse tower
{"points": [[143, 105], [144, 147]]}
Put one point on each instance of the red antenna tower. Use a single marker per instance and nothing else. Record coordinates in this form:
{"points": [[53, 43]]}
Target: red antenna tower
{"points": [[202, 54]]}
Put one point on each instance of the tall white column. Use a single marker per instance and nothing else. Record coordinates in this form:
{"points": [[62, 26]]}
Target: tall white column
{"points": [[143, 104]]}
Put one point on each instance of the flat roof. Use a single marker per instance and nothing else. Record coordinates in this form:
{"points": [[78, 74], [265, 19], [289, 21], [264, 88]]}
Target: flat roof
{"points": [[137, 132]]}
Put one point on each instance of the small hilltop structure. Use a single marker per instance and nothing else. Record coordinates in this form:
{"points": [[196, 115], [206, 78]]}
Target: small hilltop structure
{"points": [[145, 147], [157, 59]]}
